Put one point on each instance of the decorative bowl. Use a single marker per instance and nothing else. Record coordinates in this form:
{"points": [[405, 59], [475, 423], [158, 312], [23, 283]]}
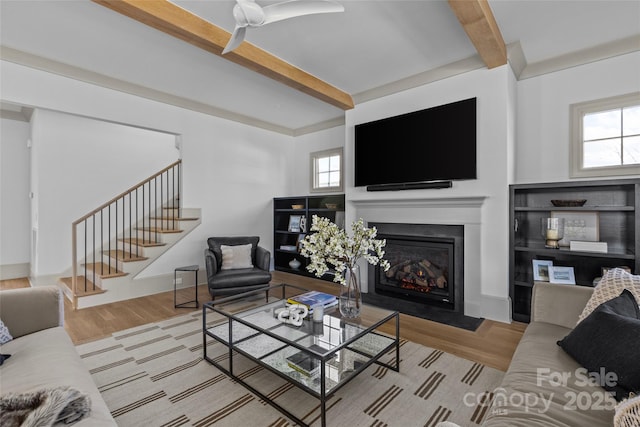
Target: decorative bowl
{"points": [[297, 206], [568, 203], [331, 205]]}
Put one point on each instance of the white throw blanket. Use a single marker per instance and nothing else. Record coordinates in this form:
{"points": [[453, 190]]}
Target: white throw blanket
{"points": [[43, 407]]}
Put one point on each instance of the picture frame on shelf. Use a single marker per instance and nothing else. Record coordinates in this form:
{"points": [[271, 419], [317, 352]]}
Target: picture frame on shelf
{"points": [[541, 270], [579, 225], [294, 223], [562, 275]]}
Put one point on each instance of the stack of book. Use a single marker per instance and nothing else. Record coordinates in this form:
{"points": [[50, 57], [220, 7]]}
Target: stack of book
{"points": [[314, 298], [304, 363]]}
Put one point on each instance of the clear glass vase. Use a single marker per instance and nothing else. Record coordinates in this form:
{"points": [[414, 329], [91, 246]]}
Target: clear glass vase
{"points": [[350, 301]]}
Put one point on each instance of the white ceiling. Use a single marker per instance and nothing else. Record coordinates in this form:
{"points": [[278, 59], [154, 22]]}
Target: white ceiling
{"points": [[371, 45]]}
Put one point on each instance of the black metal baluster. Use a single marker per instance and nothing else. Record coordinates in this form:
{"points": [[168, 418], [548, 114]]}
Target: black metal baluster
{"points": [[179, 166], [85, 255], [109, 233], [161, 204], [136, 218], [130, 228], [93, 245], [143, 219]]}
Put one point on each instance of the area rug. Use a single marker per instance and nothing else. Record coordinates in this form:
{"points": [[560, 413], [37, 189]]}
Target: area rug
{"points": [[154, 375]]}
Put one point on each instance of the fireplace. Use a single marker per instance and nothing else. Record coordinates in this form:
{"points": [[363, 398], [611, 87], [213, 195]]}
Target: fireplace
{"points": [[427, 267], [422, 269]]}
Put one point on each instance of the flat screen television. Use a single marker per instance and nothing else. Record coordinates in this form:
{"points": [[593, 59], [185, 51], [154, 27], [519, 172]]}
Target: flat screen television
{"points": [[434, 144]]}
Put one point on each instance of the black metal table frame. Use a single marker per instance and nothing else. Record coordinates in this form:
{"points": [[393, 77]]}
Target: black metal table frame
{"points": [[195, 269], [323, 395]]}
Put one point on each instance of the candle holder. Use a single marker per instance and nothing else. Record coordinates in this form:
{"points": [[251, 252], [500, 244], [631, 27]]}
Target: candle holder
{"points": [[552, 230]]}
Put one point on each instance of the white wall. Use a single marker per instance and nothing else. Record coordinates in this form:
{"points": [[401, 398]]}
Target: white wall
{"points": [[303, 147], [231, 171], [81, 164], [14, 187], [543, 129], [486, 287]]}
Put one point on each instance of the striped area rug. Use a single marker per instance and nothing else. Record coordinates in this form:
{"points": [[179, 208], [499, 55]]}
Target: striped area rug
{"points": [[154, 375]]}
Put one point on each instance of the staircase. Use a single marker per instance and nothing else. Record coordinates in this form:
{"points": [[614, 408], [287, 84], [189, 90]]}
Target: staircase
{"points": [[115, 242]]}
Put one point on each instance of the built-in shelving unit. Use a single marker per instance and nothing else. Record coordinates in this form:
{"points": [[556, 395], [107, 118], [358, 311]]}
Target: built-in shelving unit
{"points": [[287, 212], [615, 203]]}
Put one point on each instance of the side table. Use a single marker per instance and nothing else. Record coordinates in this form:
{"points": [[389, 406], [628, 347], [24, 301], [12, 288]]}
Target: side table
{"points": [[195, 269]]}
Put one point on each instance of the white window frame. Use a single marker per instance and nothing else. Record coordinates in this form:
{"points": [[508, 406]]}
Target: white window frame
{"points": [[314, 173], [578, 111]]}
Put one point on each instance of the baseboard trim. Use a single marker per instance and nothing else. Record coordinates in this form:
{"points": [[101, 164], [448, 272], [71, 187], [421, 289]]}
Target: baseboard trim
{"points": [[14, 271], [496, 308]]}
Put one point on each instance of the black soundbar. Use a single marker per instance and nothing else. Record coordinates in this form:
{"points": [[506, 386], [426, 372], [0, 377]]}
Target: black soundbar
{"points": [[410, 186]]}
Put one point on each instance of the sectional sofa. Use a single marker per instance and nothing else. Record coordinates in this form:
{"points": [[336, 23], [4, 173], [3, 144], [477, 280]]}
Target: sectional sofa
{"points": [[43, 358]]}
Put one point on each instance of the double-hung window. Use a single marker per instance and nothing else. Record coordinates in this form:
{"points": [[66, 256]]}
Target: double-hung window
{"points": [[606, 137], [327, 170]]}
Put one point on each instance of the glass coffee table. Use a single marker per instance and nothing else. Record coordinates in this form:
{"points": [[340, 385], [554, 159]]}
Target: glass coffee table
{"points": [[317, 357]]}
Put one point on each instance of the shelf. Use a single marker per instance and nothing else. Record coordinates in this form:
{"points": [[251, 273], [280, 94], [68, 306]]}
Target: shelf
{"points": [[566, 252], [616, 200], [313, 205], [574, 208]]}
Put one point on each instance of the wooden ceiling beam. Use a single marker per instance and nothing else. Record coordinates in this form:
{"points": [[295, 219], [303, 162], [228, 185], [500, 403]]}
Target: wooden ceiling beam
{"points": [[480, 25], [178, 22]]}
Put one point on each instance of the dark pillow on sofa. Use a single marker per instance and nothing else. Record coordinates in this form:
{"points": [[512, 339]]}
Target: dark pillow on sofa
{"points": [[609, 339], [4, 357]]}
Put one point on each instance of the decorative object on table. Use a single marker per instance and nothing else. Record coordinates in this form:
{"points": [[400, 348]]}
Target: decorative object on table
{"points": [[294, 223], [541, 269], [578, 225], [295, 264], [318, 312], [304, 362], [312, 298], [579, 245], [552, 230], [568, 203], [330, 245], [292, 315], [562, 275]]}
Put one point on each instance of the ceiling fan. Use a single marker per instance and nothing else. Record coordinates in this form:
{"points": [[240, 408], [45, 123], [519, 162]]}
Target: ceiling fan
{"points": [[248, 13]]}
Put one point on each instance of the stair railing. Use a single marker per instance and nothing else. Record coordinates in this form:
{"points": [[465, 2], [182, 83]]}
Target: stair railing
{"points": [[134, 215]]}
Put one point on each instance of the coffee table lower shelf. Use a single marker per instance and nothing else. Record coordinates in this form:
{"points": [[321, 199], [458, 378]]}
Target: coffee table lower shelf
{"points": [[253, 336]]}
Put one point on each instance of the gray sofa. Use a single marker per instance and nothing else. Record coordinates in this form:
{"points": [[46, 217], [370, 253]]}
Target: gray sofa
{"points": [[533, 392], [42, 353]]}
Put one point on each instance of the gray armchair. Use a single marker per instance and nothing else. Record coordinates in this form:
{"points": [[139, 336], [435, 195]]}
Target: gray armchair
{"points": [[229, 282]]}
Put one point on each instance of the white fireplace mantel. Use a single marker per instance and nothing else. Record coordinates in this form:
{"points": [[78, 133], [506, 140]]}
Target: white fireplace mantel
{"points": [[458, 210]]}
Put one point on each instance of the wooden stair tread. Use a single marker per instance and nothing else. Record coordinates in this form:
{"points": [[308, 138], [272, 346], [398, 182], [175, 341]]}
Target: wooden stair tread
{"points": [[142, 243], [177, 218], [123, 256], [160, 230], [91, 289], [104, 271]]}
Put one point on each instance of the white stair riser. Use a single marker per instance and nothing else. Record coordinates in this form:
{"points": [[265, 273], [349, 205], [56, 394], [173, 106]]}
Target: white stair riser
{"points": [[127, 287]]}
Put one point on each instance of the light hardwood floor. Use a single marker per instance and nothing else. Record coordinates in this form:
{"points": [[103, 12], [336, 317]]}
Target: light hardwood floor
{"points": [[492, 344]]}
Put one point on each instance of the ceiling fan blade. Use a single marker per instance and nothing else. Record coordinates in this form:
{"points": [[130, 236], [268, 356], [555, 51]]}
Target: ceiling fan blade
{"points": [[291, 9], [236, 38]]}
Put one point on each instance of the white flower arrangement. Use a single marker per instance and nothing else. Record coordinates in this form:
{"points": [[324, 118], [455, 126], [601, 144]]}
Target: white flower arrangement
{"points": [[330, 245]]}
